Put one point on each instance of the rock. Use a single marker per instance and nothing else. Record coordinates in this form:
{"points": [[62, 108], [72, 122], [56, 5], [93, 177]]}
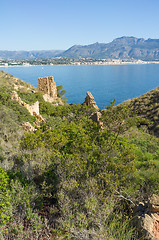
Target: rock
{"points": [[47, 85], [31, 108], [15, 97], [154, 199], [28, 127], [147, 217], [39, 119], [154, 203], [96, 118], [89, 101], [60, 102]]}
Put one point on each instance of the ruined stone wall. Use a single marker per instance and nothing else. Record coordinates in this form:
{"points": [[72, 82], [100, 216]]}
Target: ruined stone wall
{"points": [[47, 85]]}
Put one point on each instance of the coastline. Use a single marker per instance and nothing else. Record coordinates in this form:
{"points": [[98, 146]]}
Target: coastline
{"points": [[111, 63]]}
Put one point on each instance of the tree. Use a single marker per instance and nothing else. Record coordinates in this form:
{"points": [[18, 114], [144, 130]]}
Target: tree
{"points": [[61, 92]]}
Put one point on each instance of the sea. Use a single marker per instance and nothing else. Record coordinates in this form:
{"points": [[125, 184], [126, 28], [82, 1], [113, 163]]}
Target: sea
{"points": [[105, 82]]}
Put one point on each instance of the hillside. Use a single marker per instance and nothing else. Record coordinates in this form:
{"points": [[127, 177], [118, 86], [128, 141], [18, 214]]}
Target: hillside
{"points": [[28, 55], [147, 107], [123, 48], [73, 176]]}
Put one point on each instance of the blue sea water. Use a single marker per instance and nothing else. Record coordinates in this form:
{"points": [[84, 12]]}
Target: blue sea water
{"points": [[105, 82]]}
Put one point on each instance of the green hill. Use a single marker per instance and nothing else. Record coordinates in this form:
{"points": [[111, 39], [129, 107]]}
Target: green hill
{"points": [[71, 178]]}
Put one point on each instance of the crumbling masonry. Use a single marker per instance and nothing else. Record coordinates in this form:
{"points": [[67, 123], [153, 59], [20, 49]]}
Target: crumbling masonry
{"points": [[47, 85]]}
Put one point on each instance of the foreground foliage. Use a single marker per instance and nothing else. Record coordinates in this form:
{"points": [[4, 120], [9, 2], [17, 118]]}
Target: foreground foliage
{"points": [[70, 179]]}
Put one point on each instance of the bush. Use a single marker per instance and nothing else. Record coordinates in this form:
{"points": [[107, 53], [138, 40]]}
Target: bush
{"points": [[61, 92], [5, 205]]}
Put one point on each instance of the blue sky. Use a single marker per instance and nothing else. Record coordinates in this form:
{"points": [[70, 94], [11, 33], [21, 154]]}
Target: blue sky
{"points": [[50, 24]]}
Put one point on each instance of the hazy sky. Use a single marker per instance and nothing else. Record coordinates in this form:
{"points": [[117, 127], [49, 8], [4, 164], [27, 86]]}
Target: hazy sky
{"points": [[59, 24]]}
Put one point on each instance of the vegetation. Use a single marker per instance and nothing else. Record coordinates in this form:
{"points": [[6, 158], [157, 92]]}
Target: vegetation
{"points": [[147, 107], [70, 179]]}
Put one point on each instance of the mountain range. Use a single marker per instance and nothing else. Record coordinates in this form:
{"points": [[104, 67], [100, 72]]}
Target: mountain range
{"points": [[19, 55], [119, 48]]}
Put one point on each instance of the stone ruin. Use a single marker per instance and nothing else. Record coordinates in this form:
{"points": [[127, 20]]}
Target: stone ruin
{"points": [[47, 85], [89, 101]]}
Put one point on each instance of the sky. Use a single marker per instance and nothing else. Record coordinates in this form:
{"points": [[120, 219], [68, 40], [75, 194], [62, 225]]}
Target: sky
{"points": [[60, 24]]}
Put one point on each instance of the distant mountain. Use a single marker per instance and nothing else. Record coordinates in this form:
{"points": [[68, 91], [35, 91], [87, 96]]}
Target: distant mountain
{"points": [[23, 55], [123, 48]]}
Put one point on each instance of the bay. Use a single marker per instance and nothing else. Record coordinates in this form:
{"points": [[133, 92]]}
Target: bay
{"points": [[105, 82]]}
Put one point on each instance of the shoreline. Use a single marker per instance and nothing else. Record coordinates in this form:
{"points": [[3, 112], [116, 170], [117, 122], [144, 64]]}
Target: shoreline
{"points": [[102, 62], [92, 64]]}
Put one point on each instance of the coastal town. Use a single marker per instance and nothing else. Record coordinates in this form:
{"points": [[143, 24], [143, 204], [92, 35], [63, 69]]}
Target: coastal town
{"points": [[71, 61]]}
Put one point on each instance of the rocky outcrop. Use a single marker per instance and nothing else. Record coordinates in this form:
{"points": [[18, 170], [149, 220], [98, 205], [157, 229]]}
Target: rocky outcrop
{"points": [[39, 119], [147, 217], [89, 101], [31, 108], [28, 127], [47, 85], [16, 97], [96, 116]]}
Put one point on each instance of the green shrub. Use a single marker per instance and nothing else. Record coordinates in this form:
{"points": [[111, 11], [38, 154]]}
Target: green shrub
{"points": [[30, 97], [5, 205], [61, 92], [21, 112]]}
